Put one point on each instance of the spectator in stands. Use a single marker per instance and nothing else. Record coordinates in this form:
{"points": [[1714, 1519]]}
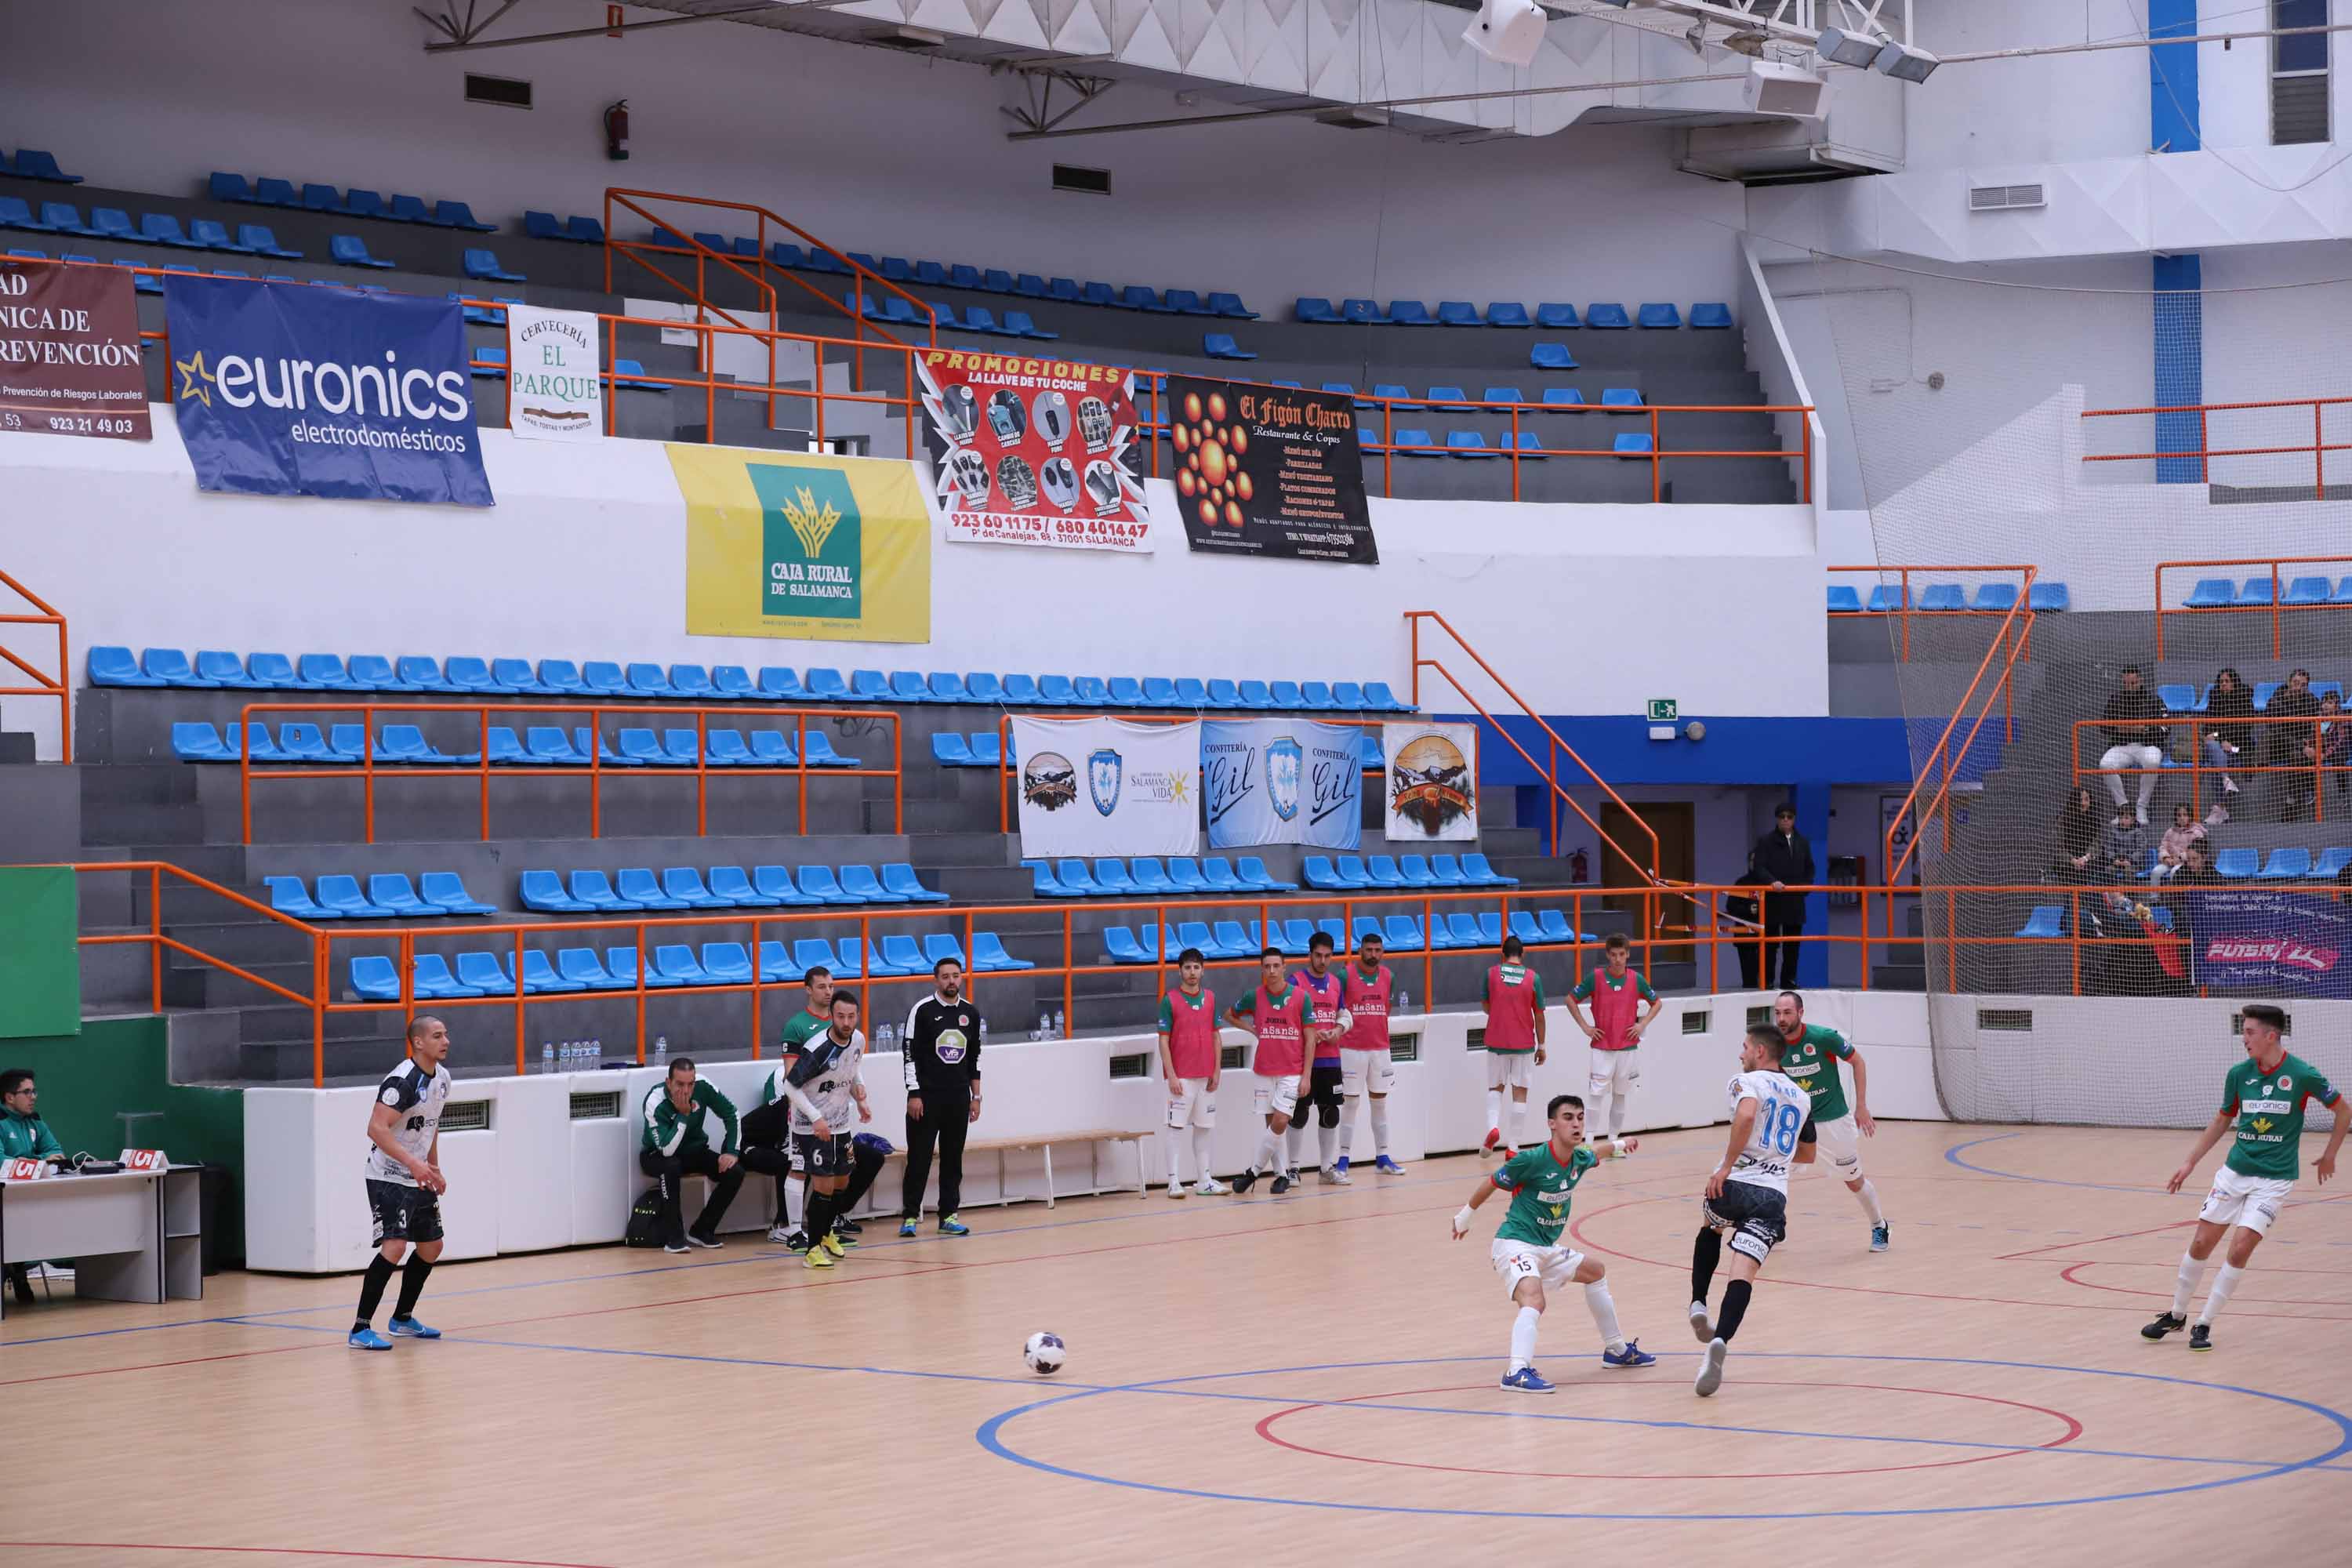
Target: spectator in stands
{"points": [[681, 1113], [2197, 869], [2293, 700], [1784, 859], [2230, 698], [2134, 739], [1744, 915], [2327, 745], [2173, 851], [2123, 848], [24, 1136], [2078, 838]]}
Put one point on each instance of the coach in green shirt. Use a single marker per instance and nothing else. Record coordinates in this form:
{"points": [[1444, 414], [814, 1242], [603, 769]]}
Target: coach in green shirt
{"points": [[24, 1135]]}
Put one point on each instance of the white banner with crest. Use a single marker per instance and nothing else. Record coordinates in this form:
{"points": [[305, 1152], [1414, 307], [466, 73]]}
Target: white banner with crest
{"points": [[1282, 781], [1103, 787]]}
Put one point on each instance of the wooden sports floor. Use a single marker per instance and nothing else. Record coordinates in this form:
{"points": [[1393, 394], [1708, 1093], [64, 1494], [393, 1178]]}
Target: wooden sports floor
{"points": [[1249, 1379]]}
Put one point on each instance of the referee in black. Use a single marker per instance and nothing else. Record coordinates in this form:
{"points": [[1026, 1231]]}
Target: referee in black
{"points": [[942, 1042]]}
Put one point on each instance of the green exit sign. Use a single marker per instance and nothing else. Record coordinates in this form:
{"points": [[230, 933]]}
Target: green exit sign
{"points": [[1663, 710]]}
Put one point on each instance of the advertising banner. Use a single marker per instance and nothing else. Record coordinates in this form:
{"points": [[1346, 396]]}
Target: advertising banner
{"points": [[285, 389], [69, 352], [1282, 781], [2255, 942], [1104, 786], [1270, 471], [1027, 449], [1433, 782], [782, 545], [555, 390]]}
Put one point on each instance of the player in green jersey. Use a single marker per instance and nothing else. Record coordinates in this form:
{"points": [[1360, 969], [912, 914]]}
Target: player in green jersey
{"points": [[2261, 1099], [1810, 1053], [1527, 1251]]}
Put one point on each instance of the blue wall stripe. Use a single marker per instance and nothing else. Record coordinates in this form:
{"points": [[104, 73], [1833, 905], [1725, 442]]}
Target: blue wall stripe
{"points": [[2179, 360], [2174, 122]]}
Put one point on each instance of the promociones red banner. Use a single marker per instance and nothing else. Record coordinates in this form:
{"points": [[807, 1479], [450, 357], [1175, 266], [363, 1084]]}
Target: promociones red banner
{"points": [[1028, 449], [69, 352]]}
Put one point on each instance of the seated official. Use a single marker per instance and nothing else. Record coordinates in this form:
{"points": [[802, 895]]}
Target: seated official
{"points": [[24, 1136], [681, 1113]]}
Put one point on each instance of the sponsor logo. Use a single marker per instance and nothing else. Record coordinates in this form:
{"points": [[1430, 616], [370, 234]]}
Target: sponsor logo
{"points": [[2285, 952], [2285, 1082], [1430, 785], [386, 390], [1049, 782], [1104, 769], [950, 1045], [1284, 760], [2263, 1124], [812, 541], [2268, 1106], [1225, 775]]}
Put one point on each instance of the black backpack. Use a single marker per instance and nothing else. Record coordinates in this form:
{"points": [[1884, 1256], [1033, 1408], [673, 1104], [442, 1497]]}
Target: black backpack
{"points": [[644, 1220]]}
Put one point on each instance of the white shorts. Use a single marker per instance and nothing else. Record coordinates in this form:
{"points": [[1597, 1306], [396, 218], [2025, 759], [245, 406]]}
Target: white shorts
{"points": [[1361, 1069], [1509, 1069], [1841, 1141], [1615, 1072], [1518, 1260], [1196, 1107], [1275, 1096], [2251, 1203]]}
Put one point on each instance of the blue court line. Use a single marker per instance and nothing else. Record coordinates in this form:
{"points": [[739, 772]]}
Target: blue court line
{"points": [[459, 1337], [989, 1435], [1953, 1155]]}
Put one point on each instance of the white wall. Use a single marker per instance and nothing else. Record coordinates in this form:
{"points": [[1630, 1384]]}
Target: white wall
{"points": [[536, 1179], [585, 557], [2048, 109], [869, 150]]}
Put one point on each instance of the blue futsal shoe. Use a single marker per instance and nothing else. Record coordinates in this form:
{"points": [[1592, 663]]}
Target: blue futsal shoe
{"points": [[1631, 1356], [1340, 1164], [1526, 1380], [368, 1340], [1388, 1167], [410, 1328]]}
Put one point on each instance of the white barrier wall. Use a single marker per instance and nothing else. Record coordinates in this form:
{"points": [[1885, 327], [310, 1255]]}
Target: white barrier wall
{"points": [[534, 1177]]}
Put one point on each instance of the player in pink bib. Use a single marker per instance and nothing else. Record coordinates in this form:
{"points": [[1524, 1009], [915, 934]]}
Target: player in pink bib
{"points": [[1189, 1060], [1615, 992], [1365, 1063], [1278, 1012]]}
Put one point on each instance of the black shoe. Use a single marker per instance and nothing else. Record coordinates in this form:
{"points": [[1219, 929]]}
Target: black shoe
{"points": [[846, 1228], [1281, 1185], [22, 1279], [1245, 1181], [2200, 1338], [2166, 1323]]}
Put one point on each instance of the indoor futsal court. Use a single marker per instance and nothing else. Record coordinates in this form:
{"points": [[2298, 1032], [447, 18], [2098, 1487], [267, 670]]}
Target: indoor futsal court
{"points": [[1314, 1374]]}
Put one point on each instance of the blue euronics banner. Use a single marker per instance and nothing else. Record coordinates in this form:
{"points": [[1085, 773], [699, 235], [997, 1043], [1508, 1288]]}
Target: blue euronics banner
{"points": [[287, 389], [2255, 942], [1282, 781]]}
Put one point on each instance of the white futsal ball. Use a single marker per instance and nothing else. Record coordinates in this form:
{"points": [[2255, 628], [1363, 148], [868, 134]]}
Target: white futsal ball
{"points": [[1045, 1353]]}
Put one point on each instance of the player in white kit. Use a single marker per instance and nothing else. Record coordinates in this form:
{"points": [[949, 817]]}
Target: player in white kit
{"points": [[405, 1184], [1747, 1196]]}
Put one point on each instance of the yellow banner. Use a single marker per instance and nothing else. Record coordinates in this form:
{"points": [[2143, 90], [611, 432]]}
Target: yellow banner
{"points": [[780, 545]]}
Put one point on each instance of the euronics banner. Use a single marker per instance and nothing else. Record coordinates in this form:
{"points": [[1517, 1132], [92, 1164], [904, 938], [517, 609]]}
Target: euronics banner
{"points": [[2256, 942], [555, 390], [1103, 787], [1264, 470], [1030, 449], [1282, 781], [286, 389], [781, 545], [70, 348], [1433, 782]]}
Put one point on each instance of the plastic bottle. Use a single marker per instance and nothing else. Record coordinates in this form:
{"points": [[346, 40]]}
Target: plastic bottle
{"points": [[1044, 1027], [661, 1050], [546, 1056], [597, 1052], [1404, 1000], [1059, 1032], [983, 1033]]}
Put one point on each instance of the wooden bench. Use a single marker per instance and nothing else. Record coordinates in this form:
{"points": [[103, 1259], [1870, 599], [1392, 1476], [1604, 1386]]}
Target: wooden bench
{"points": [[1094, 1138]]}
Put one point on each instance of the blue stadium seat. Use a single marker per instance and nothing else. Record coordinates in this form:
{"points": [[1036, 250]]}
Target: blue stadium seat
{"points": [[1402, 933], [1359, 312], [1417, 444], [819, 684], [1410, 313], [1468, 444], [1414, 870], [1257, 694], [1287, 694], [988, 954], [1943, 597], [1217, 872], [1630, 443], [1112, 880], [899, 878], [228, 187], [1089, 690], [583, 968], [2048, 596], [1321, 873], [210, 233], [1660, 316], [1552, 314], [593, 889], [2177, 698], [687, 681], [1448, 397], [2288, 863], [410, 209], [33, 164], [1608, 317], [1190, 692], [391, 890], [1474, 865], [350, 250], [725, 748], [162, 228], [1619, 397], [2047, 920], [1382, 870], [1711, 316], [340, 895], [114, 224], [1229, 305], [2255, 592], [2307, 591], [985, 749], [819, 883], [1456, 313], [2211, 593], [1221, 345], [482, 262], [1120, 946], [1887, 597], [1158, 691], [360, 202], [466, 672], [1843, 600], [196, 741], [259, 238], [2237, 863], [458, 215], [116, 666], [1551, 356], [1507, 313], [270, 192], [544, 891], [1136, 297], [1100, 293], [170, 666], [1018, 324], [678, 964], [1997, 597], [636, 884], [950, 750]]}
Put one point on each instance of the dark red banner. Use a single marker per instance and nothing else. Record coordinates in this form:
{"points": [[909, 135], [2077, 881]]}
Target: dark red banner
{"points": [[69, 351]]}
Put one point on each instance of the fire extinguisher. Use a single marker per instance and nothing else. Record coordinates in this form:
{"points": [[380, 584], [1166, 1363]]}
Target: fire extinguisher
{"points": [[617, 132], [1577, 866]]}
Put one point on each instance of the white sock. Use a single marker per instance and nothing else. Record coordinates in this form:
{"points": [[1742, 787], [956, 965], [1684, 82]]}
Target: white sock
{"points": [[1522, 1337], [1604, 1314], [1494, 1108], [1868, 1198], [1596, 1112], [2184, 1286], [1617, 1113], [1298, 1144], [1268, 1153], [1348, 1124], [1328, 1141], [1201, 1136], [1380, 1125], [1518, 1122], [792, 1198], [2218, 1296], [1172, 1149]]}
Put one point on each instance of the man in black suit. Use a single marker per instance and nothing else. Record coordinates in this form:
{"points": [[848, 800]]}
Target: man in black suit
{"points": [[1783, 860]]}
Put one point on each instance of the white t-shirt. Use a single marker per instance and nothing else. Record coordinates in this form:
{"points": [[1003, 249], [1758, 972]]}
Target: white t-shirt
{"points": [[418, 1097], [1780, 1108], [827, 1075]]}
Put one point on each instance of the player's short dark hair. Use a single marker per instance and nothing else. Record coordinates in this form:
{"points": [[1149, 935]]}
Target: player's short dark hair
{"points": [[420, 1024], [2263, 1013], [1786, 809], [1617, 942], [844, 994], [1192, 955], [1797, 998], [677, 1063], [1369, 939], [1321, 940], [943, 964], [1553, 1107], [817, 973], [1266, 953], [1513, 947], [15, 1079], [1766, 1035]]}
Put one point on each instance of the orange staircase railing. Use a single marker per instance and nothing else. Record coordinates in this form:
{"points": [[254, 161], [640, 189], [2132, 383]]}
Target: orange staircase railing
{"points": [[2204, 452], [61, 687], [1909, 602]]}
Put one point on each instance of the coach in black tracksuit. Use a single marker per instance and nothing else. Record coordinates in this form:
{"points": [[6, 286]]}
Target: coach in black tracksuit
{"points": [[941, 1043]]}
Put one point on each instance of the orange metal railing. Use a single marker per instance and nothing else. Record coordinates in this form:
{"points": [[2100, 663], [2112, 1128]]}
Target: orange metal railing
{"points": [[2010, 642], [61, 686], [2204, 452], [2324, 739], [1908, 604], [2275, 609], [370, 772]]}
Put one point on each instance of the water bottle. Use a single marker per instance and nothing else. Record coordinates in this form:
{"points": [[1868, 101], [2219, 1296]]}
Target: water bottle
{"points": [[1404, 1000], [889, 1037], [1045, 1027], [661, 1051], [546, 1056], [596, 1053], [983, 1033], [1059, 1032]]}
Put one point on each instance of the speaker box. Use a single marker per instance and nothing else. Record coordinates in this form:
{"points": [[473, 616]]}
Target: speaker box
{"points": [[1777, 88], [1506, 31]]}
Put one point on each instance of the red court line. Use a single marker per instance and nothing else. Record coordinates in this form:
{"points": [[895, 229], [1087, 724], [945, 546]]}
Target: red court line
{"points": [[2074, 1430], [291, 1552], [151, 1366], [2067, 1274], [2151, 1230]]}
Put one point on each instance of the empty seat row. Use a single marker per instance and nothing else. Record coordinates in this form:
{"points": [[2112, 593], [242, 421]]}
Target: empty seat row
{"points": [[678, 888], [1552, 399], [2185, 698], [578, 969], [980, 748], [1472, 444], [32, 163], [540, 746], [1353, 873], [2254, 594], [1506, 313], [152, 228], [389, 896], [1399, 933], [116, 665], [2288, 863], [575, 229], [899, 310], [1182, 877], [357, 202], [1888, 597]]}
